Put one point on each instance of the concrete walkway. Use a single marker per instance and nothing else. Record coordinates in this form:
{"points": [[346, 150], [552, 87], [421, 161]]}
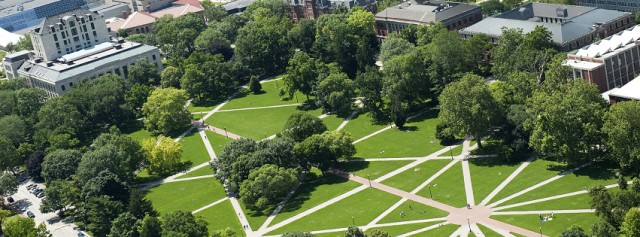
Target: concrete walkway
{"points": [[551, 198], [353, 114], [262, 107], [210, 205], [507, 181]]}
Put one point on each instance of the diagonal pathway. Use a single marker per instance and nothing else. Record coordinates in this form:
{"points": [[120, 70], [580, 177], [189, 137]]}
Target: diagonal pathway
{"points": [[210, 205], [537, 185], [508, 180], [415, 232], [551, 198], [190, 178], [373, 134], [409, 222], [261, 107], [462, 231], [386, 213], [434, 176], [353, 114], [476, 230], [545, 212], [281, 204], [498, 230], [241, 216]]}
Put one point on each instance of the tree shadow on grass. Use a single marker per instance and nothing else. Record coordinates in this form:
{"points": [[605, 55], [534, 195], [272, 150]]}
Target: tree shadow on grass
{"points": [[132, 126], [353, 165], [598, 171], [311, 182]]}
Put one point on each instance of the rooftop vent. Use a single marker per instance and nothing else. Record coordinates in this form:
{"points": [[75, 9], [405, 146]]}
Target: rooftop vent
{"points": [[37, 60], [562, 12], [49, 64]]}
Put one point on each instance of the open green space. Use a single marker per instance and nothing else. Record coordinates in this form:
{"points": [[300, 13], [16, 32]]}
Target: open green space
{"points": [[362, 125], [488, 232], [372, 169], [448, 188], [217, 141], [416, 139], [487, 173], [539, 170], [256, 124], [185, 195], [193, 149], [199, 172], [410, 210], [553, 227], [580, 201], [444, 230], [359, 209], [412, 178], [221, 216], [206, 107], [255, 219], [135, 129], [315, 189], [333, 122], [453, 152], [269, 97], [401, 229], [585, 178]]}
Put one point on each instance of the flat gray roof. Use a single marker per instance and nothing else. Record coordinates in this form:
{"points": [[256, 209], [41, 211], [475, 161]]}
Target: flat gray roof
{"points": [[421, 13], [8, 7]]}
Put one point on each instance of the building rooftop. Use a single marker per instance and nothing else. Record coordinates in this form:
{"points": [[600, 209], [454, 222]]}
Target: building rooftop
{"points": [[425, 12], [85, 60], [8, 37], [577, 21], [610, 45], [8, 7], [177, 11], [629, 91], [134, 20], [238, 4]]}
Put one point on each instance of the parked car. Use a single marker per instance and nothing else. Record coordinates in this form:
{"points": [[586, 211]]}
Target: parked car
{"points": [[40, 195], [10, 199], [30, 214], [31, 186], [23, 209]]}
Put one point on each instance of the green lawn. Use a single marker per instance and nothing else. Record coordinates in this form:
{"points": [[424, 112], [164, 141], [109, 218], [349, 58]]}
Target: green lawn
{"points": [[360, 208], [416, 139], [580, 201], [448, 188], [372, 169], [401, 229], [588, 177], [255, 220], [333, 122], [185, 195], [539, 170], [553, 227], [257, 124], [361, 125], [412, 178], [202, 107], [316, 189], [488, 232], [193, 149], [444, 230], [269, 97], [218, 142], [413, 211], [135, 129], [454, 152], [221, 216], [199, 172], [487, 174]]}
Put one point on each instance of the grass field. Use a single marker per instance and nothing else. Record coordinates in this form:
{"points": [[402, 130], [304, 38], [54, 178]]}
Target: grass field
{"points": [[269, 97], [411, 210], [218, 142], [483, 168], [392, 230], [316, 189], [221, 216], [333, 122], [444, 230], [580, 201], [135, 129], [193, 150], [488, 232], [255, 220], [256, 124], [539, 170], [202, 107], [359, 209], [199, 172], [588, 177], [553, 227], [372, 169], [412, 178], [185, 195], [416, 139], [448, 188], [361, 125]]}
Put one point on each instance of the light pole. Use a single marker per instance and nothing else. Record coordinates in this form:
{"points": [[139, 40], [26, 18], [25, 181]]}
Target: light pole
{"points": [[353, 220], [468, 223], [540, 231], [369, 178], [451, 153], [225, 132], [430, 194]]}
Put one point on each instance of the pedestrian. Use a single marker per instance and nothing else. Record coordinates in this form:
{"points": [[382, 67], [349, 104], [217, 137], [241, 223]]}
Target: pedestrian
{"points": [[468, 206], [402, 214]]}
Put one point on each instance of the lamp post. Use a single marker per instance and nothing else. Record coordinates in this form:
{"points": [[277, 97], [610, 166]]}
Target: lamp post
{"points": [[540, 231], [451, 152], [430, 194], [225, 132], [468, 223], [369, 178], [353, 220]]}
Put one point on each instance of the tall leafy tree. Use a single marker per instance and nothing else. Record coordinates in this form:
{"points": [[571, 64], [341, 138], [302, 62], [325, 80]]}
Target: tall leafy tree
{"points": [[139, 206], [324, 150], [128, 150], [60, 164], [621, 125], [335, 93], [267, 186], [213, 12], [303, 34], [369, 84], [150, 227], [144, 72], [13, 128], [631, 224], [302, 74], [26, 227], [184, 223], [10, 158], [98, 212], [106, 158], [125, 225], [176, 36], [279, 9], [574, 231], [106, 184], [28, 102], [170, 77], [405, 84], [301, 125], [163, 155], [213, 41], [468, 105], [164, 110], [207, 77], [33, 164], [136, 96], [8, 184], [60, 195], [395, 45]]}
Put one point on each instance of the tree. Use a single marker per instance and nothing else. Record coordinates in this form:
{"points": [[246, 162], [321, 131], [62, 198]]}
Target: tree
{"points": [[467, 105], [324, 150], [136, 96], [10, 158], [631, 224], [230, 25], [128, 149], [277, 8], [602, 202], [603, 229], [98, 214], [8, 102], [144, 72], [125, 225], [164, 110], [405, 84], [207, 77], [213, 41], [230, 154], [297, 234], [20, 227], [34, 164], [369, 85], [335, 93], [395, 45], [8, 184], [60, 164], [620, 122], [148, 39], [262, 44], [150, 227], [60, 195], [106, 184], [566, 122], [574, 231], [354, 231], [28, 102], [176, 36], [254, 85], [622, 182], [301, 125], [163, 155], [139, 206], [170, 77], [106, 158], [213, 12], [226, 232], [184, 223], [301, 74], [267, 186], [303, 34], [510, 4], [492, 7]]}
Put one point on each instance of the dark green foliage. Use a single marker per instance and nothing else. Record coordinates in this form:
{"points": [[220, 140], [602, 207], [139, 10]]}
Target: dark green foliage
{"points": [[60, 164], [324, 150], [254, 85], [176, 36], [354, 231], [267, 186], [139, 206], [297, 234], [98, 212], [144, 72], [574, 231], [150, 227], [622, 182], [125, 225], [335, 93], [302, 125], [34, 164], [184, 223], [207, 78], [106, 184], [444, 133], [262, 44]]}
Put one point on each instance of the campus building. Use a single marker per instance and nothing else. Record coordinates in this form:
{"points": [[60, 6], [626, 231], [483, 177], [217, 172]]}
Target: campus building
{"points": [[140, 22], [571, 27], [71, 48], [20, 14], [620, 5], [312, 9], [630, 91], [609, 63], [453, 15]]}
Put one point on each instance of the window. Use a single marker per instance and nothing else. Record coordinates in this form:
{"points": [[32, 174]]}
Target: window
{"points": [[74, 31], [153, 57], [95, 34], [93, 27], [63, 89], [70, 84], [55, 37]]}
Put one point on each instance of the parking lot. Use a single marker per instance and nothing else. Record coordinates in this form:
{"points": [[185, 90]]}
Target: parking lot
{"points": [[24, 200]]}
